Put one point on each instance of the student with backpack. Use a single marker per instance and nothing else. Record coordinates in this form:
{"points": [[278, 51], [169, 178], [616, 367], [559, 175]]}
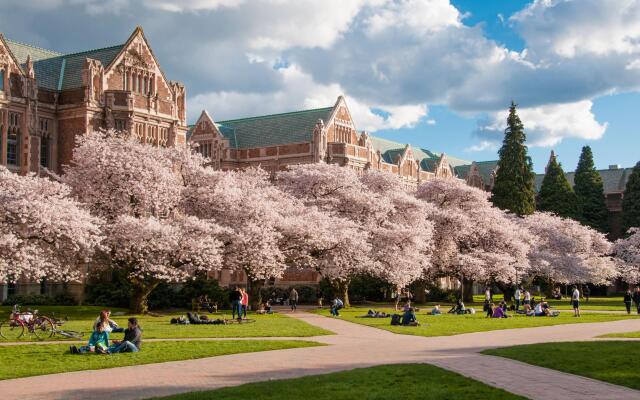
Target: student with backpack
{"points": [[336, 307]]}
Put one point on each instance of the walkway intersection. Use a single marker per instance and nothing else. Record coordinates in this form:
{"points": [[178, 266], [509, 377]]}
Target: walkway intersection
{"points": [[353, 346]]}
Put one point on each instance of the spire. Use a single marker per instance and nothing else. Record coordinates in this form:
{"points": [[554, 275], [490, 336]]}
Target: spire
{"points": [[552, 158], [30, 72]]}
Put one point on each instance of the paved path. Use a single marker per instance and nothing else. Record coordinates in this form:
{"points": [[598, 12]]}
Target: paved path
{"points": [[353, 346]]}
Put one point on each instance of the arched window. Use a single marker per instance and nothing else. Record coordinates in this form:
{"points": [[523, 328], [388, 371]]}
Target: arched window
{"points": [[13, 139], [2, 79]]}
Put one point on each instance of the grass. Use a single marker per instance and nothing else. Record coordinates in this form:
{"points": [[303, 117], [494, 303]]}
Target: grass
{"points": [[159, 327], [595, 303], [448, 324], [30, 360], [403, 381], [627, 335], [609, 361]]}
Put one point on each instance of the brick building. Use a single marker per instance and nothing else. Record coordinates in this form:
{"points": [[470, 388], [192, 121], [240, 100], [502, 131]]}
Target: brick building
{"points": [[47, 98]]}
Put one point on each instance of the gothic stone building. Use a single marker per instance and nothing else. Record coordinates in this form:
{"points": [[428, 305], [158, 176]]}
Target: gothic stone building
{"points": [[48, 98]]}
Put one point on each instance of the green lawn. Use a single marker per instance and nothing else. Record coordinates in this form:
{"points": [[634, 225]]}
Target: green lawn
{"points": [[613, 362], [404, 381], [30, 360], [82, 318], [595, 303], [447, 324], [628, 335]]}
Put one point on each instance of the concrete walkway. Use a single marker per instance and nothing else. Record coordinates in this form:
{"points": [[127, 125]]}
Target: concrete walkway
{"points": [[353, 346]]}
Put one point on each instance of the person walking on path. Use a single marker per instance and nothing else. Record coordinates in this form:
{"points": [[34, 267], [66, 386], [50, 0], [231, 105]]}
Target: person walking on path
{"points": [[628, 297], [235, 298], [293, 299], [244, 302], [636, 298], [487, 294], [336, 307], [518, 297], [575, 301]]}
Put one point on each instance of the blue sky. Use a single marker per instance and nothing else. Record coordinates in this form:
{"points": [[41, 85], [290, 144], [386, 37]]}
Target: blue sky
{"points": [[439, 74]]}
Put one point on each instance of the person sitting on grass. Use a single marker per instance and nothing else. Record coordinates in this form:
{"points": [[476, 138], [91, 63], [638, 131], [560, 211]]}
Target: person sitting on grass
{"points": [[407, 306], [264, 308], [336, 307], [458, 308], [98, 342], [409, 318], [205, 303], [109, 324], [132, 339], [436, 310], [498, 312]]}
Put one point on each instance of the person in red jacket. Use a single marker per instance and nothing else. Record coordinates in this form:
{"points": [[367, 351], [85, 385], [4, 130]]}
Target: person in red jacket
{"points": [[244, 302]]}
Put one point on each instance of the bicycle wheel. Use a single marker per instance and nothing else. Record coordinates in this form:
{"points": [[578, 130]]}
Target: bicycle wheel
{"points": [[11, 330], [43, 328]]}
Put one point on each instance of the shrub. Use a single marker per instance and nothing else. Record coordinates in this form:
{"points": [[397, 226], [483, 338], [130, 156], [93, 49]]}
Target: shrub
{"points": [[62, 299]]}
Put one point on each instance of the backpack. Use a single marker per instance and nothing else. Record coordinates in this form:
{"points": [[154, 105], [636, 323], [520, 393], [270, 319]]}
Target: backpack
{"points": [[396, 319]]}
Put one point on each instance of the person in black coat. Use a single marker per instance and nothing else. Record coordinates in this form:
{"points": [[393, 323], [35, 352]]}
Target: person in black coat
{"points": [[627, 300], [636, 298]]}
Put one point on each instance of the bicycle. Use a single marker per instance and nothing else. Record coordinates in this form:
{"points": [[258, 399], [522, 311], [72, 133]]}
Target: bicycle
{"points": [[42, 327]]}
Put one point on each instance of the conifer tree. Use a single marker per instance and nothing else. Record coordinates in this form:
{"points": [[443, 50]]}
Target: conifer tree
{"points": [[514, 187], [556, 194], [590, 191], [631, 200]]}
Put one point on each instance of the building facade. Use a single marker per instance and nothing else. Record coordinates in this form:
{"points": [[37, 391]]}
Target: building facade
{"points": [[48, 98], [325, 134]]}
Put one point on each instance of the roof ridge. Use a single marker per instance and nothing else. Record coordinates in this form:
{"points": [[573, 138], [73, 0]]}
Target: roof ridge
{"points": [[275, 115], [93, 50], [33, 47]]}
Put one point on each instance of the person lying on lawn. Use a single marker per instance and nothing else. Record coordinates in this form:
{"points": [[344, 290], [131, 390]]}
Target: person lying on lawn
{"points": [[132, 339], [98, 342]]}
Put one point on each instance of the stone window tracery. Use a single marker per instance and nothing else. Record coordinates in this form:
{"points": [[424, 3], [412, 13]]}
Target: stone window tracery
{"points": [[13, 139]]}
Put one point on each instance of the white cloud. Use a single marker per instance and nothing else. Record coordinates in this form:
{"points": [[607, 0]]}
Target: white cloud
{"points": [[191, 5], [570, 27], [298, 92], [419, 16], [546, 125], [482, 146], [431, 122]]}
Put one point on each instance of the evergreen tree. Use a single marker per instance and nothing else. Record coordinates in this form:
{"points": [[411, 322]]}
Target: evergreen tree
{"points": [[556, 194], [590, 191], [514, 186], [631, 200]]}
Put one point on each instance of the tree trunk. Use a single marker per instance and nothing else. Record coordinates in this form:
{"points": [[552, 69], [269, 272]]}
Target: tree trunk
{"points": [[420, 296], [467, 290], [254, 288], [342, 288], [507, 290], [140, 292], [550, 287]]}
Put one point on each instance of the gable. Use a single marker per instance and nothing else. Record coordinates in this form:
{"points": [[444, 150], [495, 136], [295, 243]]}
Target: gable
{"points": [[204, 128], [136, 54], [7, 56]]}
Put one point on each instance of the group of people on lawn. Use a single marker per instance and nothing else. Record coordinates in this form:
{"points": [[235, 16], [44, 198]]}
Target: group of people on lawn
{"points": [[99, 340]]}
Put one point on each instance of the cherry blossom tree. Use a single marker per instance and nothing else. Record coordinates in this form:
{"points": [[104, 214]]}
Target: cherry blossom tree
{"points": [[44, 232], [566, 251], [339, 192], [474, 241], [138, 190], [151, 250], [628, 251], [402, 241]]}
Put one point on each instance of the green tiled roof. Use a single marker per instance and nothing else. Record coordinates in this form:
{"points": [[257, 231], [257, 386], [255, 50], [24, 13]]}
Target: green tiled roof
{"points": [[390, 150], [273, 130], [58, 71], [614, 180], [484, 167]]}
